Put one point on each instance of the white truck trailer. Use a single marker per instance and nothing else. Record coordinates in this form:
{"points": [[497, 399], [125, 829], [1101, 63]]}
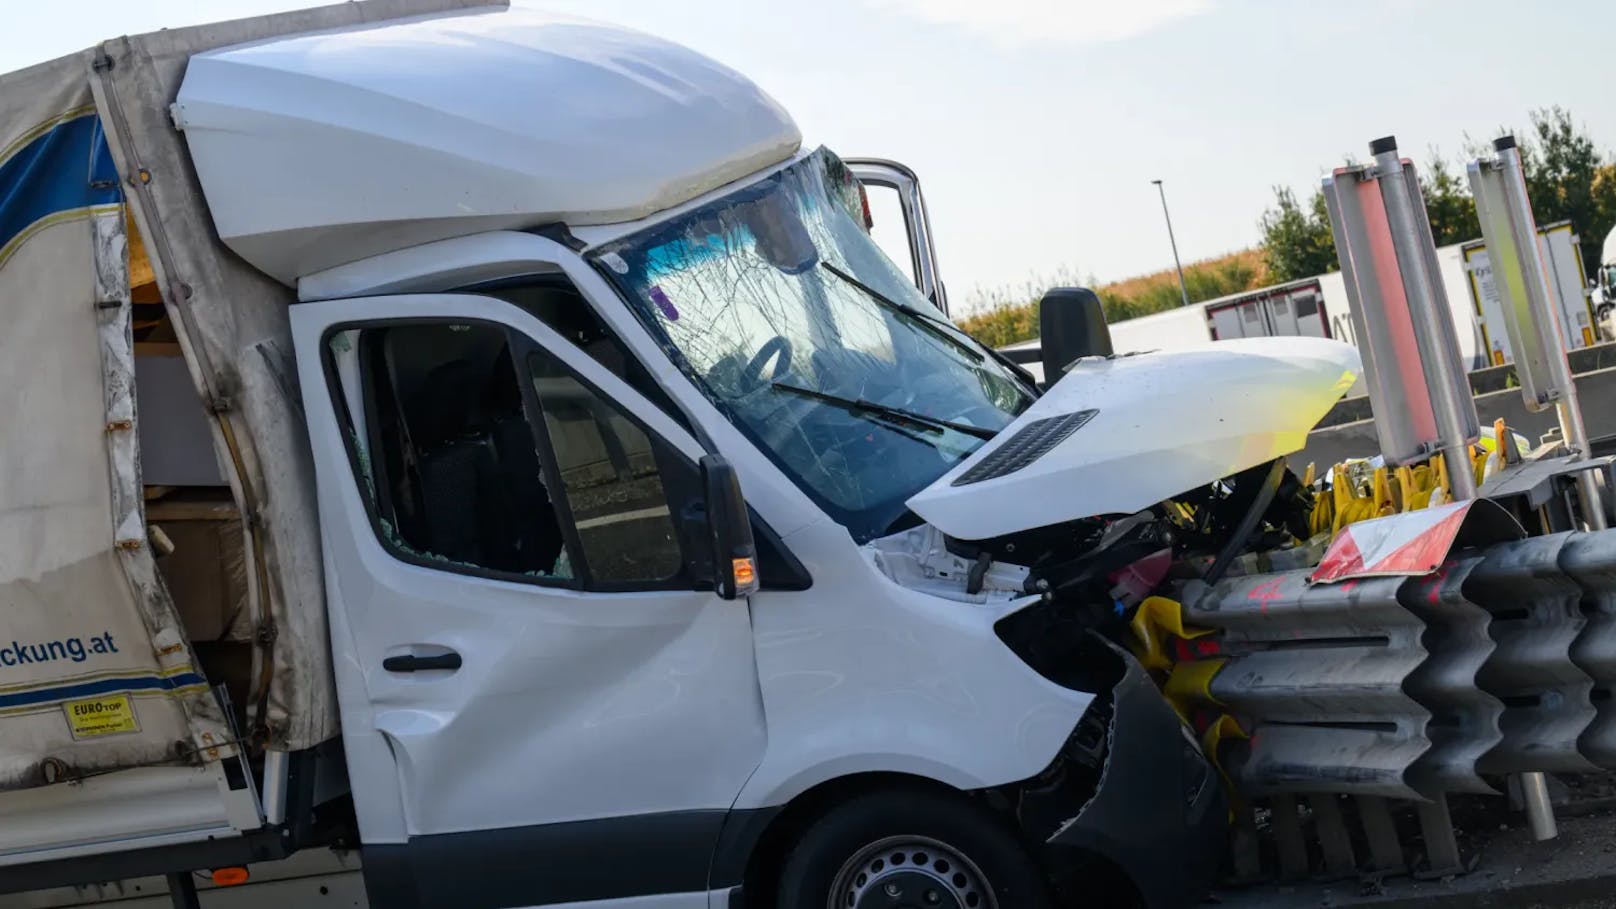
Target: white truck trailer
{"points": [[440, 553], [1562, 253]]}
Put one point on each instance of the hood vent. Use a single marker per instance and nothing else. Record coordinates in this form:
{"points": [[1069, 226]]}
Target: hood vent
{"points": [[1030, 443]]}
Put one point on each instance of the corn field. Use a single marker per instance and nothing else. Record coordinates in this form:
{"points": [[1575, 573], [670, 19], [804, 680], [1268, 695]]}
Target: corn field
{"points": [[1007, 315]]}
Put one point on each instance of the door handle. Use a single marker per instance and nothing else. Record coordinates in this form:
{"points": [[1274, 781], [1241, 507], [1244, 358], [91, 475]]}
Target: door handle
{"points": [[412, 663]]}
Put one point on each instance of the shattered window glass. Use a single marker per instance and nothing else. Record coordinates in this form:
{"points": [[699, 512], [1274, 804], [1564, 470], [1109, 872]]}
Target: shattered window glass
{"points": [[783, 310], [443, 448], [344, 356]]}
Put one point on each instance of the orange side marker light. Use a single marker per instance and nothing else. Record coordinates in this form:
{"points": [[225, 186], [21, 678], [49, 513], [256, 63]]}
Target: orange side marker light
{"points": [[232, 876]]}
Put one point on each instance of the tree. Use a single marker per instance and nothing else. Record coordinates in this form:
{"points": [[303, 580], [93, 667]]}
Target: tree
{"points": [[1448, 203], [1563, 179], [1567, 177], [1296, 241]]}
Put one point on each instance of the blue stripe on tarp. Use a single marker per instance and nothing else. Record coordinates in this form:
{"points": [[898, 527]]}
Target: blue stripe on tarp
{"points": [[67, 167], [101, 686]]}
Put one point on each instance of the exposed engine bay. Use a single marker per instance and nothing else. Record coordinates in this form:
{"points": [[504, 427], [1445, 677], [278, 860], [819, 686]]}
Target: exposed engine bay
{"points": [[1128, 475], [1091, 572], [1078, 584]]}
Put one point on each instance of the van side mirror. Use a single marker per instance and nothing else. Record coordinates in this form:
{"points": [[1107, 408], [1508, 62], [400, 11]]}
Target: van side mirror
{"points": [[1071, 324], [730, 524]]}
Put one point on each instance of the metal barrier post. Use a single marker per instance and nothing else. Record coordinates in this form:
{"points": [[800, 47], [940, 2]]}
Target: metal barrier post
{"points": [[1427, 304], [1441, 845], [1335, 843], [1529, 301], [1539, 809], [1288, 842], [1385, 851]]}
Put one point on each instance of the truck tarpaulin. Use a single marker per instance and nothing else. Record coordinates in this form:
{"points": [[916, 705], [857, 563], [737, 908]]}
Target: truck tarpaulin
{"points": [[95, 671]]}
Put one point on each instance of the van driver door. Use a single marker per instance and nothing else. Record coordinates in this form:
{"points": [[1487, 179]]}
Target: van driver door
{"points": [[538, 703]]}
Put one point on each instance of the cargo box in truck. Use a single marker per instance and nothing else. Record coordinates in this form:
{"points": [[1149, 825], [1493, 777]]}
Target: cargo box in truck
{"points": [[493, 443]]}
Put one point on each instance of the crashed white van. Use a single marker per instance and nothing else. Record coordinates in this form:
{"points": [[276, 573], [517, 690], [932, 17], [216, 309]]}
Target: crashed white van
{"points": [[455, 335]]}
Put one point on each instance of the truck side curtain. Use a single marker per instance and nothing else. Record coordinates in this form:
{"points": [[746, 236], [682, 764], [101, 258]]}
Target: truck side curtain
{"points": [[95, 672], [58, 171]]}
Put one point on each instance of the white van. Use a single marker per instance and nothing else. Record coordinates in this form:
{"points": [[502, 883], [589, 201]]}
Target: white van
{"points": [[457, 334]]}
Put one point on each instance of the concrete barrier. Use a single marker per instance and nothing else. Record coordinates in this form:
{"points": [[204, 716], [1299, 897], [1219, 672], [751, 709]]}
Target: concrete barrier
{"points": [[1355, 437], [1482, 382]]}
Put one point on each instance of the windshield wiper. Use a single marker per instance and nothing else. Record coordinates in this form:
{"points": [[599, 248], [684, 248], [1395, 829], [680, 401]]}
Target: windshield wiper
{"points": [[896, 415], [926, 322]]}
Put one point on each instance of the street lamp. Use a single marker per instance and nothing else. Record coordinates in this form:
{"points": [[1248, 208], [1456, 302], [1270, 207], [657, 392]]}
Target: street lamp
{"points": [[1183, 289]]}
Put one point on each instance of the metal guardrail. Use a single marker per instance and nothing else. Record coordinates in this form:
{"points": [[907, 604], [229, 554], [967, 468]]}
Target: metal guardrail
{"points": [[1503, 662], [1464, 719], [1405, 688], [1318, 673], [1590, 559], [1536, 618]]}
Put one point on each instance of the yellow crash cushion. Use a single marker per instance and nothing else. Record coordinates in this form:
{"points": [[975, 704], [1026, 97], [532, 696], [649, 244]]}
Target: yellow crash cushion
{"points": [[1190, 683], [1153, 621]]}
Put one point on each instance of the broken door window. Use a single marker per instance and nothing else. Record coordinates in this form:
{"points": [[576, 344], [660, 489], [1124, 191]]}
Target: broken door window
{"points": [[447, 451]]}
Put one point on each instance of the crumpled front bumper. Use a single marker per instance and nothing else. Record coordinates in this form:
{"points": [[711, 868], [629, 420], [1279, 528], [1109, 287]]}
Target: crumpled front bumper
{"points": [[1158, 813]]}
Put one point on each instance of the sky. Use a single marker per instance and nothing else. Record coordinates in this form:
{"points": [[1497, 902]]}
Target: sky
{"points": [[1036, 126]]}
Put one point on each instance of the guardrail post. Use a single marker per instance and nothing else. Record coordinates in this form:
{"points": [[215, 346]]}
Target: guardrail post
{"points": [[1245, 846], [1288, 842], [1441, 845], [1385, 851], [1539, 808], [1334, 842]]}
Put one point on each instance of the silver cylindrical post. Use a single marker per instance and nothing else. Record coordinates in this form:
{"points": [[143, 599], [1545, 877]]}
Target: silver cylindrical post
{"points": [[1534, 785], [1569, 408], [1429, 330], [1539, 809]]}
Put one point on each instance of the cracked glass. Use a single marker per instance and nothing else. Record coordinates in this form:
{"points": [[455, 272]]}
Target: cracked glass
{"points": [[777, 303]]}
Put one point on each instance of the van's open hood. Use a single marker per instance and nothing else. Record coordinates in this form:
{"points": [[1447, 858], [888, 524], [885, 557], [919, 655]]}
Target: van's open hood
{"points": [[1118, 435]]}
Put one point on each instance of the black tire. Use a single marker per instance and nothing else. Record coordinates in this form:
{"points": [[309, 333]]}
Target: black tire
{"points": [[997, 866]]}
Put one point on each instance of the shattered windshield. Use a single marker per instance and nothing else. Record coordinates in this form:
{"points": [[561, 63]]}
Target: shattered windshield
{"points": [[780, 306]]}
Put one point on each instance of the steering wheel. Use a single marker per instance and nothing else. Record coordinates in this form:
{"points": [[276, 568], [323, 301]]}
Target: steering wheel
{"points": [[751, 377]]}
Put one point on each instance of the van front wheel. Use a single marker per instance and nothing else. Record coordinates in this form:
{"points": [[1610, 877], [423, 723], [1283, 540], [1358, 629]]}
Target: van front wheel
{"points": [[911, 850]]}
